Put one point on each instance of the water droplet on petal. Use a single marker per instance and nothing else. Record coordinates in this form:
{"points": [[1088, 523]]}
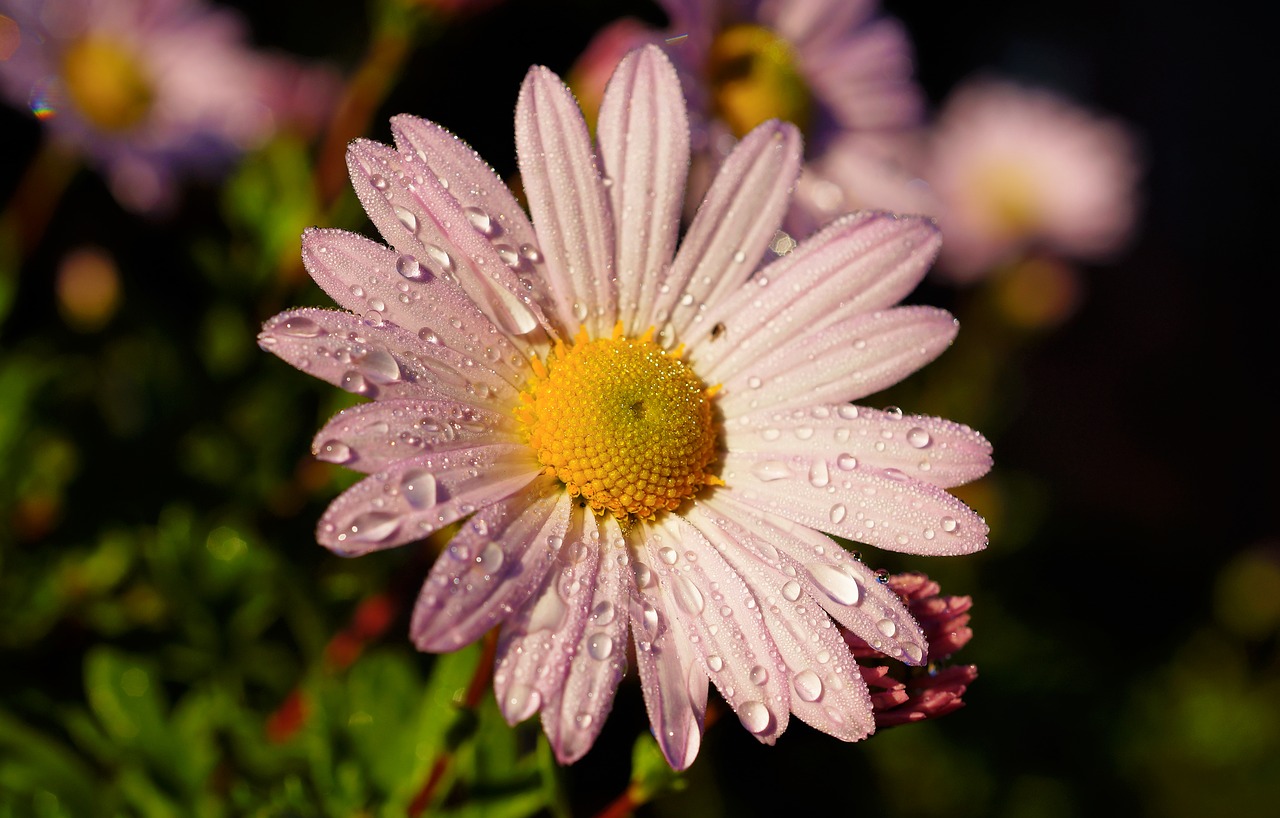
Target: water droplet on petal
{"points": [[491, 558], [771, 470], [715, 663], [837, 513], [893, 412], [521, 702], [407, 218], [919, 438], [408, 267], [602, 614], [418, 487], [755, 717], [758, 675], [808, 686], [600, 646], [354, 382], [687, 595], [668, 555], [440, 257], [791, 591], [373, 526], [334, 451], [479, 220], [949, 524], [848, 411], [847, 462], [887, 626], [380, 367], [914, 652], [835, 583], [299, 326], [819, 475]]}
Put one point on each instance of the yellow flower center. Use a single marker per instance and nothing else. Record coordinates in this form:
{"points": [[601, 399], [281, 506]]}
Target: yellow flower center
{"points": [[1006, 192], [622, 423], [754, 78], [106, 83]]}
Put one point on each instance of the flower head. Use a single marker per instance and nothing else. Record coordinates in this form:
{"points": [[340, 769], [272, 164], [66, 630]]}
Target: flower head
{"points": [[151, 89], [1015, 168], [640, 443], [838, 70]]}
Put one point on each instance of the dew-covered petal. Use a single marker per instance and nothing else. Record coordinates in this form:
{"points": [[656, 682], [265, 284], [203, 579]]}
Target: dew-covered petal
{"points": [[415, 497], [485, 198], [412, 293], [689, 579], [495, 562], [826, 688], [573, 717], [733, 226], [849, 360], [413, 211], [372, 436], [855, 501], [568, 202], [381, 361], [538, 641], [671, 676], [861, 263], [817, 567], [931, 449], [643, 131]]}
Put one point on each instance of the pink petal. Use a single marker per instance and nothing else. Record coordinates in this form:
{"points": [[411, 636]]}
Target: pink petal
{"points": [[417, 496], [382, 362], [684, 576], [852, 359], [537, 643], [643, 132], [411, 295], [410, 207], [374, 435], [572, 718], [733, 226], [568, 202], [930, 449], [672, 678], [858, 264], [857, 502], [826, 688], [492, 566]]}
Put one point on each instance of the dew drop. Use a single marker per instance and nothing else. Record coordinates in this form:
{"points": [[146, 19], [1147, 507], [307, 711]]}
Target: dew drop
{"points": [[299, 326], [715, 663], [380, 367], [687, 595], [847, 462], [848, 411], [378, 182], [755, 716], [819, 475], [754, 382], [771, 470], [440, 257], [914, 652], [354, 382], [408, 267], [949, 524], [373, 526], [668, 555], [490, 559], [602, 613], [479, 220], [791, 590], [643, 574], [835, 583], [407, 218], [508, 255], [758, 675], [521, 702], [530, 253], [887, 626], [649, 619], [808, 686], [334, 451], [600, 646], [918, 438], [418, 487], [838, 512]]}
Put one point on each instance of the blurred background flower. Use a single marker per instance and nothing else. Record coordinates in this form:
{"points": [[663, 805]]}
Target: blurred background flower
{"points": [[174, 641]]}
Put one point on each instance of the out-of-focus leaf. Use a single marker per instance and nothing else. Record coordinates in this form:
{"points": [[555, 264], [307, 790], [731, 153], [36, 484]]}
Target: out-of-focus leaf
{"points": [[651, 776], [36, 767]]}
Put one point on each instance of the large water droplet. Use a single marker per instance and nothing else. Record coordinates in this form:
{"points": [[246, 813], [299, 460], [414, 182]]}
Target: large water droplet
{"points": [[373, 527], [837, 513], [771, 470], [949, 524], [649, 619], [755, 716], [380, 367], [408, 267], [668, 555], [521, 702], [299, 326], [491, 558], [602, 613], [847, 462], [479, 220], [334, 451], [819, 475], [715, 663], [914, 652], [355, 382], [687, 595], [808, 686], [418, 487], [758, 675], [600, 646], [791, 591], [407, 218], [836, 583], [848, 411], [919, 438], [440, 257], [887, 626]]}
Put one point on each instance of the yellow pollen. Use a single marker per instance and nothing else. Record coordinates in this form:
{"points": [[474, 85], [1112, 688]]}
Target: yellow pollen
{"points": [[107, 83], [625, 425], [754, 78]]}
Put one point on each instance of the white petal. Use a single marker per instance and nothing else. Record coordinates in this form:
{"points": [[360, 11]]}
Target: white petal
{"points": [[568, 202], [887, 510], [383, 361], [852, 359], [860, 263], [572, 718], [931, 449], [412, 210], [492, 566], [827, 690], [643, 132], [372, 436], [686, 576], [733, 226], [417, 496], [538, 642]]}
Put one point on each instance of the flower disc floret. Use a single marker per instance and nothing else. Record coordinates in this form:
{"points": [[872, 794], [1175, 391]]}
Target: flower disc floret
{"points": [[624, 424]]}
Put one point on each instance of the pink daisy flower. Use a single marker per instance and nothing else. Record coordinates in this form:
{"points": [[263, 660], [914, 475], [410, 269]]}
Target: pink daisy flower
{"points": [[150, 90], [837, 69], [641, 443], [1015, 169]]}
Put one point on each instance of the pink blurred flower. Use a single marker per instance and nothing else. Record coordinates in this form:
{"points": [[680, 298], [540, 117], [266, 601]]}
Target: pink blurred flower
{"points": [[150, 90], [836, 68], [915, 694], [1016, 169], [605, 491]]}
